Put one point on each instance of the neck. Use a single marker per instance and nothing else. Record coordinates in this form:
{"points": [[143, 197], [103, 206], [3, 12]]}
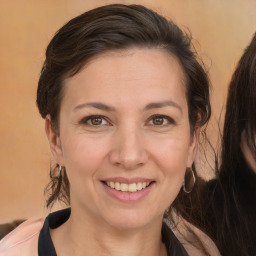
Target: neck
{"points": [[82, 235]]}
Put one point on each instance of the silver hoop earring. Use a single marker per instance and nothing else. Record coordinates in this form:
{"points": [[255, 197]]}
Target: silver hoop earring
{"points": [[59, 174], [190, 183]]}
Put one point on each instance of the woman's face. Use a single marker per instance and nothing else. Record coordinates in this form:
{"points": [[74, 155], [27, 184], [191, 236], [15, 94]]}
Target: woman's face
{"points": [[124, 126]]}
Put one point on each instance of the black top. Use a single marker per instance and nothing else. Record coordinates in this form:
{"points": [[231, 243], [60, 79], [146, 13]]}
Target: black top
{"points": [[56, 219]]}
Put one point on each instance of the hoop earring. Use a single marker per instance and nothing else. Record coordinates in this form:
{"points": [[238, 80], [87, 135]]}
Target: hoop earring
{"points": [[59, 174], [184, 181]]}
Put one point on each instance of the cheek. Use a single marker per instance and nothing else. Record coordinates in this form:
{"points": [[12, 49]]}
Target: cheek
{"points": [[83, 155], [83, 158], [172, 159], [172, 154]]}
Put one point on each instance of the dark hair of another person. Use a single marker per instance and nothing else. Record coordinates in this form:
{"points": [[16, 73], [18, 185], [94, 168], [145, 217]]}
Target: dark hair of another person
{"points": [[238, 222], [228, 209], [108, 28], [240, 109]]}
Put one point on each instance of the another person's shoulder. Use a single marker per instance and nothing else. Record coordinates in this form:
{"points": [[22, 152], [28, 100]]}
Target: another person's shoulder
{"points": [[23, 240], [196, 242]]}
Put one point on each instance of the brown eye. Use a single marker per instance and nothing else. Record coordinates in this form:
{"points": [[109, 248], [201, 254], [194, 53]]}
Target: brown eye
{"points": [[96, 121], [158, 120], [161, 120]]}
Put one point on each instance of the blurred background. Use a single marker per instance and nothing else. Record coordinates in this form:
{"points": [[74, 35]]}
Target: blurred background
{"points": [[221, 30]]}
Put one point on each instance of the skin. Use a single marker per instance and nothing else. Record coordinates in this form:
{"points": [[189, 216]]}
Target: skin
{"points": [[193, 239], [248, 153], [128, 142]]}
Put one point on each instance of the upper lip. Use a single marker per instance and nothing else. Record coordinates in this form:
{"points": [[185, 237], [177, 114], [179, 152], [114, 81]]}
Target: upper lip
{"points": [[128, 180]]}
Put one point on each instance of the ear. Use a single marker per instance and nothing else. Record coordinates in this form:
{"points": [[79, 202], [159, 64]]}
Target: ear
{"points": [[54, 141], [193, 146]]}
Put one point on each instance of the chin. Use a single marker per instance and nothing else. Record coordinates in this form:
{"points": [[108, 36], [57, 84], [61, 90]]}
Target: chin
{"points": [[130, 219]]}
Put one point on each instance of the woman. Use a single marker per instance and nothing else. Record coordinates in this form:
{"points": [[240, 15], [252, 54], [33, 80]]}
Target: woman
{"points": [[237, 174], [238, 167], [123, 98], [228, 208]]}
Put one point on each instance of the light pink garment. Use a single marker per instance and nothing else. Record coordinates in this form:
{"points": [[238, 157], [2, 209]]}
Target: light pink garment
{"points": [[22, 241]]}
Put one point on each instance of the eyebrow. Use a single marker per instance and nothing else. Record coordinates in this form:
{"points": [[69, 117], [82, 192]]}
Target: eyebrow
{"points": [[95, 105], [152, 105], [163, 104]]}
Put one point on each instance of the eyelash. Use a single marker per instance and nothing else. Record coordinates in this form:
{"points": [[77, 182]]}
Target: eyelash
{"points": [[90, 118], [85, 120], [168, 118]]}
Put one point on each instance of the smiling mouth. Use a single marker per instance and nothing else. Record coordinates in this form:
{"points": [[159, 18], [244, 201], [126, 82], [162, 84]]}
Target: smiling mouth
{"points": [[124, 187]]}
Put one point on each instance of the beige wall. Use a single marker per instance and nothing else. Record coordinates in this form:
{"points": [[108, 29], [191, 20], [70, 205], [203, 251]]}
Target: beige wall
{"points": [[221, 30]]}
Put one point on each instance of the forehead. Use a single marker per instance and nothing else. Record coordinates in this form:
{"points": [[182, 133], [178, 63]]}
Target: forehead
{"points": [[157, 59], [137, 72]]}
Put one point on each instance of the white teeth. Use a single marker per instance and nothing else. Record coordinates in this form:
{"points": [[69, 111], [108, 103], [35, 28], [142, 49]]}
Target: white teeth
{"points": [[133, 187], [139, 186], [117, 186], [124, 187], [112, 184]]}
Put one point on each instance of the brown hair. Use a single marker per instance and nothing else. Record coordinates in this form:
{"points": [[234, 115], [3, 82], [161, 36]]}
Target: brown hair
{"points": [[115, 27]]}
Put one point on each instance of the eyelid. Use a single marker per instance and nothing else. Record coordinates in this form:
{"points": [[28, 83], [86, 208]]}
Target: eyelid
{"points": [[84, 120], [170, 120]]}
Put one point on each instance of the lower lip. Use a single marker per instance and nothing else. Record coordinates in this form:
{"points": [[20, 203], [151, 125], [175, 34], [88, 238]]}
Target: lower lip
{"points": [[128, 196]]}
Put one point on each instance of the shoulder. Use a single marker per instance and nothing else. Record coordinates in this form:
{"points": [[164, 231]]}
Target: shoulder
{"points": [[23, 240], [196, 242]]}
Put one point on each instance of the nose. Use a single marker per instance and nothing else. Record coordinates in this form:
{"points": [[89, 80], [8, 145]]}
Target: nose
{"points": [[128, 149]]}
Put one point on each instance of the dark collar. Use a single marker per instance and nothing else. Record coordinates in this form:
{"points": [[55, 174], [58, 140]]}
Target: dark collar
{"points": [[56, 219]]}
